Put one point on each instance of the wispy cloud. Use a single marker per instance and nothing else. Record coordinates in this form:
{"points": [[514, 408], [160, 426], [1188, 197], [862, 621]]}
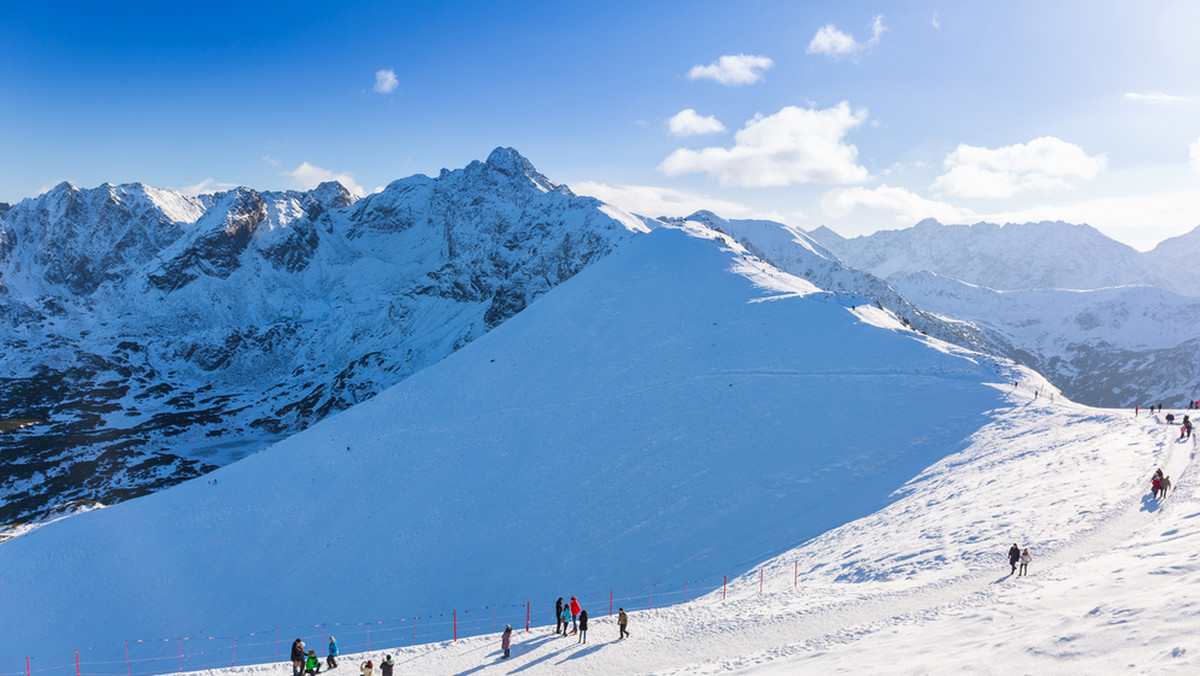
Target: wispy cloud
{"points": [[1154, 97], [1194, 151], [690, 123], [1043, 163], [271, 161], [206, 186], [654, 201], [795, 145], [834, 43], [907, 206], [308, 176], [385, 81], [733, 71], [936, 22]]}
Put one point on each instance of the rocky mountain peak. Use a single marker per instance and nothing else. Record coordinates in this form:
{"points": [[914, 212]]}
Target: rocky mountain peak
{"points": [[511, 163]]}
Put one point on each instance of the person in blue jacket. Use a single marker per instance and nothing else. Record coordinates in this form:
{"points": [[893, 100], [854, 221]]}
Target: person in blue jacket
{"points": [[333, 653], [566, 617]]}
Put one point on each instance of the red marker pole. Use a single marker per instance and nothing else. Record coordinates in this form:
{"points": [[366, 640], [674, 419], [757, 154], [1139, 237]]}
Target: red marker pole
{"points": [[651, 597], [76, 662], [724, 581], [610, 601], [276, 644], [760, 581], [685, 591], [181, 655], [454, 615], [234, 652], [527, 615], [368, 636], [414, 629], [26, 666], [128, 666]]}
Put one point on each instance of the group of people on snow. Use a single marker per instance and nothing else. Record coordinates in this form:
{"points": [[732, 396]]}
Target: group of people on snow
{"points": [[1016, 556], [304, 664], [1185, 432], [1160, 483], [570, 614]]}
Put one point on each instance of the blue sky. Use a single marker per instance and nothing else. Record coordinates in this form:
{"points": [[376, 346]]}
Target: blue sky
{"points": [[854, 115]]}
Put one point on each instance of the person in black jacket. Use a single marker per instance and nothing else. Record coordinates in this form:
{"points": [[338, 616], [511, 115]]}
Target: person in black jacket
{"points": [[558, 623], [1014, 555], [297, 657], [385, 667], [583, 626]]}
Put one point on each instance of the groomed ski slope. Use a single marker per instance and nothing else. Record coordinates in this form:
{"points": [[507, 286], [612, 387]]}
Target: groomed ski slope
{"points": [[676, 410], [923, 586]]}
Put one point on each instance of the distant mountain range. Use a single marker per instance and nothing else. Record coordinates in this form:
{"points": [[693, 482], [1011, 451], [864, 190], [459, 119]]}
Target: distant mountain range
{"points": [[153, 336]]}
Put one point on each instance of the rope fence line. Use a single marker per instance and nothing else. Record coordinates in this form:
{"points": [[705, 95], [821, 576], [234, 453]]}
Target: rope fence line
{"points": [[192, 653]]}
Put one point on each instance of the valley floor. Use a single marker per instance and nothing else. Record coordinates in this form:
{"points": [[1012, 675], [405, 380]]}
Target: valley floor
{"points": [[923, 586]]}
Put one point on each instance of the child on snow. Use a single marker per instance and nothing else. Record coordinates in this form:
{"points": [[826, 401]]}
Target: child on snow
{"points": [[1025, 559], [312, 665]]}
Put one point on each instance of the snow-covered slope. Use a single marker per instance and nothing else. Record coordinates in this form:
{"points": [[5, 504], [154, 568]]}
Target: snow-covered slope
{"points": [[157, 336], [1046, 255], [677, 408]]}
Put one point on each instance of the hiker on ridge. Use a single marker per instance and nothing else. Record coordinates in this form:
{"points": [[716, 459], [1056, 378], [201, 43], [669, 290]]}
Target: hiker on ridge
{"points": [[1014, 555]]}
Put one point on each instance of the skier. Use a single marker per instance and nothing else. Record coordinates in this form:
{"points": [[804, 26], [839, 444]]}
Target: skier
{"points": [[558, 621], [312, 665], [333, 653], [297, 657], [506, 639], [1014, 555], [622, 622], [583, 626], [574, 615], [1025, 559], [385, 667]]}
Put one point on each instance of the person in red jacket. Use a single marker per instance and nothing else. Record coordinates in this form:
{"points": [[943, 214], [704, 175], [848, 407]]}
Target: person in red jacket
{"points": [[574, 615]]}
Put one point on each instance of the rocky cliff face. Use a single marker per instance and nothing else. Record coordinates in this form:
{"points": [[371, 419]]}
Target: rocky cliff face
{"points": [[154, 335]]}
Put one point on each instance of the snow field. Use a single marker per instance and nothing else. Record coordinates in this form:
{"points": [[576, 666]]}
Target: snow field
{"points": [[923, 585]]}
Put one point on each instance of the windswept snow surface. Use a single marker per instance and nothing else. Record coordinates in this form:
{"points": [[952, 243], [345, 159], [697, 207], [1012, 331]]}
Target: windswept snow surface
{"points": [[677, 411], [923, 585]]}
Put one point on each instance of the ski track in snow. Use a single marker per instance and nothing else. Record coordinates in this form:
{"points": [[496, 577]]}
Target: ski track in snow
{"points": [[1069, 482]]}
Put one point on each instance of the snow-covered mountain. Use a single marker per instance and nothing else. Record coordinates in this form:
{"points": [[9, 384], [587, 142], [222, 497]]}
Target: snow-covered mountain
{"points": [[156, 335], [1089, 313], [1046, 255], [1125, 346], [1178, 256], [678, 407]]}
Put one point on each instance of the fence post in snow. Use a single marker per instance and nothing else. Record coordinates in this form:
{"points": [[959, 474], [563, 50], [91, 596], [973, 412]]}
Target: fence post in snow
{"points": [[414, 629], [234, 652], [724, 581], [760, 580], [276, 644], [26, 666], [368, 636], [77, 662], [610, 601], [454, 616], [180, 656], [128, 666], [527, 616]]}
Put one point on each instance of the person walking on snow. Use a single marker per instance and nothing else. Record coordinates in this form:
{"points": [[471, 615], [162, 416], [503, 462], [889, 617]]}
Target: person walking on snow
{"points": [[1025, 559], [622, 622], [385, 667], [558, 619], [1014, 555], [331, 660], [1166, 485], [574, 615], [582, 626], [506, 640], [1156, 484]]}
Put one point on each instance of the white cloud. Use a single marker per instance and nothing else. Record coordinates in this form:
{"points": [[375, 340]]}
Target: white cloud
{"points": [[833, 42], [307, 177], [654, 201], [689, 123], [795, 145], [1154, 97], [1194, 151], [936, 22], [1044, 163], [907, 206], [385, 81], [271, 161], [206, 186], [732, 71]]}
